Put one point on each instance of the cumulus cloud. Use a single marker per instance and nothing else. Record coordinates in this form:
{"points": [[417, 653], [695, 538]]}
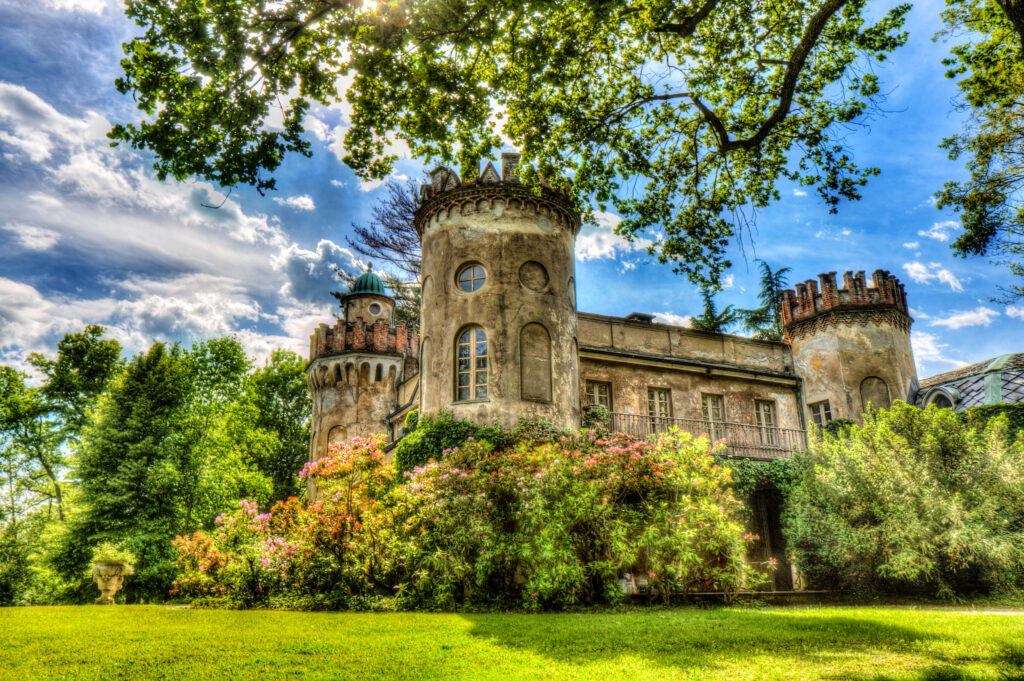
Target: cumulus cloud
{"points": [[799, 192], [311, 275], [601, 242], [82, 6], [33, 238], [981, 316], [303, 202], [918, 313], [1015, 312], [672, 318], [912, 245], [940, 231], [927, 348], [932, 272], [30, 128]]}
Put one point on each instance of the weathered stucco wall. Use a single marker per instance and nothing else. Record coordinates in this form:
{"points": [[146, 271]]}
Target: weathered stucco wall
{"points": [[630, 383], [601, 332], [525, 244]]}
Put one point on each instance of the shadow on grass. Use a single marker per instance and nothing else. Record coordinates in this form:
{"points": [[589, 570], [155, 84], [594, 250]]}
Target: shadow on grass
{"points": [[713, 639]]}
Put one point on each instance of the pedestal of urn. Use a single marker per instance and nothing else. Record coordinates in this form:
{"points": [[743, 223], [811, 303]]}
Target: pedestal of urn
{"points": [[109, 577]]}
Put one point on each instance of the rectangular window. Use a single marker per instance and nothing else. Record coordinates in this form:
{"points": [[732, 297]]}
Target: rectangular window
{"points": [[599, 393], [658, 403], [765, 412], [713, 410], [821, 413]]}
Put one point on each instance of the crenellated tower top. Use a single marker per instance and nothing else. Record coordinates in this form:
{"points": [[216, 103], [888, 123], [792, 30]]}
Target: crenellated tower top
{"points": [[447, 195], [378, 338], [805, 305]]}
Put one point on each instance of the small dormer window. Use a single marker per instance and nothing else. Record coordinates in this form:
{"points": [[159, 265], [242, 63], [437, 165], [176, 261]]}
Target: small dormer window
{"points": [[471, 278]]}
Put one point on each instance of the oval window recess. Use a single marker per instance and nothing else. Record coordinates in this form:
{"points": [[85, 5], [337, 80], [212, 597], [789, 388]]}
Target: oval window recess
{"points": [[375, 308], [471, 277], [533, 276]]}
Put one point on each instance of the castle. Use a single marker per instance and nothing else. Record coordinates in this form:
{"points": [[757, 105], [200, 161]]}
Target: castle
{"points": [[501, 338]]}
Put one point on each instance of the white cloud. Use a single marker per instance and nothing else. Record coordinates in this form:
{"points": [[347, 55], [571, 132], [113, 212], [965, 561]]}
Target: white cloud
{"points": [[926, 274], [672, 318], [981, 316], [940, 231], [304, 202], [370, 185], [33, 238], [927, 348], [912, 245], [728, 281], [30, 128], [1015, 312], [83, 6], [337, 183], [601, 242], [799, 192], [311, 275], [917, 313]]}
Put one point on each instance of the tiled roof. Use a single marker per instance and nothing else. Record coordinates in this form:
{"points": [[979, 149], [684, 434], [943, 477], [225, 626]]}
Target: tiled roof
{"points": [[1013, 361]]}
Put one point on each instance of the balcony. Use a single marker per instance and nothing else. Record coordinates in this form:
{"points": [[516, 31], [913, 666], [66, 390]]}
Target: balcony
{"points": [[741, 439]]}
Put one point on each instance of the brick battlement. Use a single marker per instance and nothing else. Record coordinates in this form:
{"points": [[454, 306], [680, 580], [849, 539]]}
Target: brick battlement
{"points": [[808, 302], [358, 336]]}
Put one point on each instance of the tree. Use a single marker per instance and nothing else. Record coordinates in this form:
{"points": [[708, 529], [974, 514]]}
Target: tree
{"points": [[992, 65], [129, 483], [280, 395], [391, 235], [765, 322], [50, 418], [703, 106], [711, 319]]}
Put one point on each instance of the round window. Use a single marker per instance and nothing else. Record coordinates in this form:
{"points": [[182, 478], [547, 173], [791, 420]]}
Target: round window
{"points": [[471, 278], [375, 308]]}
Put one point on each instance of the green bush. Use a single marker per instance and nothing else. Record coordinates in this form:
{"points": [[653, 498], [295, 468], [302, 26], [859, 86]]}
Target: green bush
{"points": [[838, 427], [912, 502], [978, 417]]}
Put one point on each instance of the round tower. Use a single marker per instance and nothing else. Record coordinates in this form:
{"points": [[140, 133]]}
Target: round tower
{"points": [[356, 367], [851, 345], [498, 322]]}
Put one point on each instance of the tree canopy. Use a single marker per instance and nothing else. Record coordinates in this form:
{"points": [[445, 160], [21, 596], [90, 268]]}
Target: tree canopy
{"points": [[679, 115]]}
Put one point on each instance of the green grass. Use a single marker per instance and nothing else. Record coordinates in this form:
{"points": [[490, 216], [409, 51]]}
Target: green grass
{"points": [[155, 642]]}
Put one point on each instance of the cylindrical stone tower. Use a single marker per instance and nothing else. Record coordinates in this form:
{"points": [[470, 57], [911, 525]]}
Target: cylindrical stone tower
{"points": [[851, 345], [498, 323]]}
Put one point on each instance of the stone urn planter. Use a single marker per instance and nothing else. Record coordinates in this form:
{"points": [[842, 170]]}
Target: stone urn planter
{"points": [[109, 577]]}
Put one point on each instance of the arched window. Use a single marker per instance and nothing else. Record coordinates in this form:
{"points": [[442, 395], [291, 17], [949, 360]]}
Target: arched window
{"points": [[471, 365], [873, 390], [535, 363]]}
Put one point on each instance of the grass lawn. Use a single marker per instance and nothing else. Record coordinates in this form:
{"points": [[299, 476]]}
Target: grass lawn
{"points": [[155, 642]]}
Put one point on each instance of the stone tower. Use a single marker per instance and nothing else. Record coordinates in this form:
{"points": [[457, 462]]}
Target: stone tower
{"points": [[498, 322], [355, 366], [851, 345]]}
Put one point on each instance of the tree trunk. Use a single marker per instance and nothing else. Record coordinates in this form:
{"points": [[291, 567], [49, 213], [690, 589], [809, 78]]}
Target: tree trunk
{"points": [[1014, 11]]}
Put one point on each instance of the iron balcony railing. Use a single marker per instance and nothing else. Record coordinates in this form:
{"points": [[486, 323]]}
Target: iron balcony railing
{"points": [[741, 439]]}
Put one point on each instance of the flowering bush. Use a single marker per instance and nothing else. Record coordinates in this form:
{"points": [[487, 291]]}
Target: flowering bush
{"points": [[536, 526]]}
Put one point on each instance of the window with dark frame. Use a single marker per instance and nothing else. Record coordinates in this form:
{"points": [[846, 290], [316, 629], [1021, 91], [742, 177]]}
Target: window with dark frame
{"points": [[599, 393], [471, 365], [821, 412]]}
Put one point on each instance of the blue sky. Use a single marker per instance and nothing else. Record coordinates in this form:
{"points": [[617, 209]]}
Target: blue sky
{"points": [[88, 235]]}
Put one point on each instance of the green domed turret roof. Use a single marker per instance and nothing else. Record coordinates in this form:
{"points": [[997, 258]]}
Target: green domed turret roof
{"points": [[368, 282]]}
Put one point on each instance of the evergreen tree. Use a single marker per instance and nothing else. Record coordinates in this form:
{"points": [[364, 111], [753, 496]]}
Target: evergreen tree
{"points": [[765, 322], [711, 319], [129, 483]]}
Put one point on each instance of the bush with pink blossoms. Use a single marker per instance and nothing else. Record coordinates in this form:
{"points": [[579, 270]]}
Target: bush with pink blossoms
{"points": [[537, 526]]}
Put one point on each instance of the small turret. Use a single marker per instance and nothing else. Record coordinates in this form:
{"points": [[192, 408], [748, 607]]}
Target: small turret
{"points": [[851, 345]]}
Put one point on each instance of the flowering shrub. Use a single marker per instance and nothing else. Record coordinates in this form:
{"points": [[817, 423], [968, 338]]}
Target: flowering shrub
{"points": [[535, 526]]}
